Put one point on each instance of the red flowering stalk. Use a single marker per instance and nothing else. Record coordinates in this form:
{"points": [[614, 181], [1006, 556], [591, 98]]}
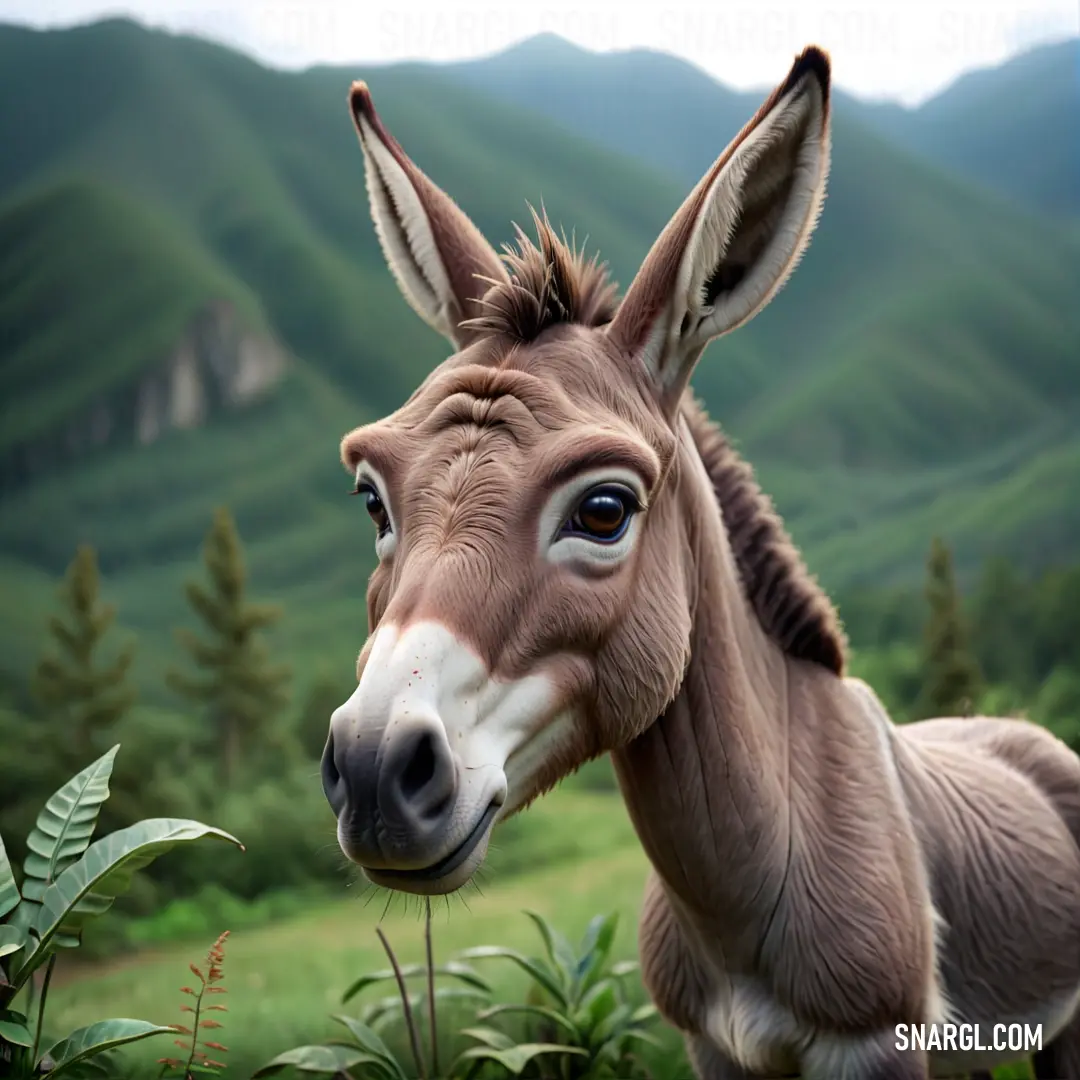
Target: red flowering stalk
{"points": [[197, 1057]]}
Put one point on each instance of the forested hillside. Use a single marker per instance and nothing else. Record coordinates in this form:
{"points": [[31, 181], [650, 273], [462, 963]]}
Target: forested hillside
{"points": [[194, 309]]}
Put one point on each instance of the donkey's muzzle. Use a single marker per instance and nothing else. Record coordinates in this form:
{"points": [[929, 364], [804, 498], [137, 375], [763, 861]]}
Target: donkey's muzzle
{"points": [[395, 796], [401, 791], [413, 767]]}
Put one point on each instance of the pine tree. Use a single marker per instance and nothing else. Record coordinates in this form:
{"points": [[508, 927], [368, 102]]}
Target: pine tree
{"points": [[243, 691], [952, 680], [1004, 626], [82, 697]]}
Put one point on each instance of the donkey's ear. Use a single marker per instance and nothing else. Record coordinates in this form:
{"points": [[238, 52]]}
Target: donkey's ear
{"points": [[439, 257], [738, 236]]}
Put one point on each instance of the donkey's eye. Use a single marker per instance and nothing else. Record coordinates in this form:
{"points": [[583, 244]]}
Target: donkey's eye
{"points": [[375, 507], [603, 515]]}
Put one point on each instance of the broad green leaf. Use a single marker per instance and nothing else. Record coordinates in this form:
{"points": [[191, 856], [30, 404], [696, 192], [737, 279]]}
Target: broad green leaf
{"points": [[596, 947], [22, 918], [637, 1035], [614, 1053], [377, 1011], [87, 888], [104, 1066], [453, 968], [11, 940], [460, 993], [558, 949], [489, 1037], [609, 1025], [643, 1013], [624, 968], [605, 1057], [9, 891], [380, 1010], [318, 1059], [542, 1011], [368, 1040], [514, 1058], [375, 977], [13, 1028], [464, 973], [598, 1003], [537, 969], [65, 825], [96, 1039]]}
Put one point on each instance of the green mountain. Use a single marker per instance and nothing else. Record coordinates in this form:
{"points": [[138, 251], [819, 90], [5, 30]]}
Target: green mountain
{"points": [[199, 212], [194, 309], [929, 321], [70, 342], [921, 371], [1011, 128], [263, 169], [649, 105]]}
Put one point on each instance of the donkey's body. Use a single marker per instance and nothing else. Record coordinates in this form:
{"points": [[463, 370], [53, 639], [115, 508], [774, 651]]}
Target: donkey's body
{"points": [[573, 561], [819, 872]]}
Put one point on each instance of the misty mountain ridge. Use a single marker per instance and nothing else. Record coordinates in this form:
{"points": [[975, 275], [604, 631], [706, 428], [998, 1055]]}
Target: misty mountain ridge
{"points": [[919, 374]]}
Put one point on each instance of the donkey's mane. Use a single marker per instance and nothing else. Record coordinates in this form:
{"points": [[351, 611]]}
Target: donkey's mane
{"points": [[549, 284], [553, 283], [791, 606]]}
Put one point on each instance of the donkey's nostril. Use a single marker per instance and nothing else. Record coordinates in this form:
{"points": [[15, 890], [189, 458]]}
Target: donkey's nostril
{"points": [[333, 787], [418, 779], [420, 768]]}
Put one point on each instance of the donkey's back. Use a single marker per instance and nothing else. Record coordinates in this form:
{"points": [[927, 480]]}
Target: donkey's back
{"points": [[996, 807]]}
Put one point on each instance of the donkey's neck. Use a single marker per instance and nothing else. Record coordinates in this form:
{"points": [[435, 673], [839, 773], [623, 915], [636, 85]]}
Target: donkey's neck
{"points": [[706, 785]]}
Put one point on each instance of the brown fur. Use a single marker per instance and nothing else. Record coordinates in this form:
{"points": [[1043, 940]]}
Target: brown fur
{"points": [[793, 609], [819, 875], [549, 284]]}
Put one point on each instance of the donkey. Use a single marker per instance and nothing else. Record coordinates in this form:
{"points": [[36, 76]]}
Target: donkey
{"points": [[573, 560]]}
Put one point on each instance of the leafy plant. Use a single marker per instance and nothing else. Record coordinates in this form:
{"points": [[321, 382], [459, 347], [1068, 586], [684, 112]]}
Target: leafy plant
{"points": [[579, 999], [575, 1024], [67, 881], [198, 1060]]}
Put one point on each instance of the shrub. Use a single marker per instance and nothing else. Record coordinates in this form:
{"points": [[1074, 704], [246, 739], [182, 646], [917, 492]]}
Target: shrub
{"points": [[576, 1022], [68, 881], [292, 837], [1058, 705]]}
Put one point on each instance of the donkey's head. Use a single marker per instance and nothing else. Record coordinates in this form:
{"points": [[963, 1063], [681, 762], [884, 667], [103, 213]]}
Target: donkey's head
{"points": [[530, 608]]}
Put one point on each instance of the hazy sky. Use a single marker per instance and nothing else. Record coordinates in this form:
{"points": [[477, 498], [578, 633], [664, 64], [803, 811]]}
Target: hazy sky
{"points": [[903, 49]]}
